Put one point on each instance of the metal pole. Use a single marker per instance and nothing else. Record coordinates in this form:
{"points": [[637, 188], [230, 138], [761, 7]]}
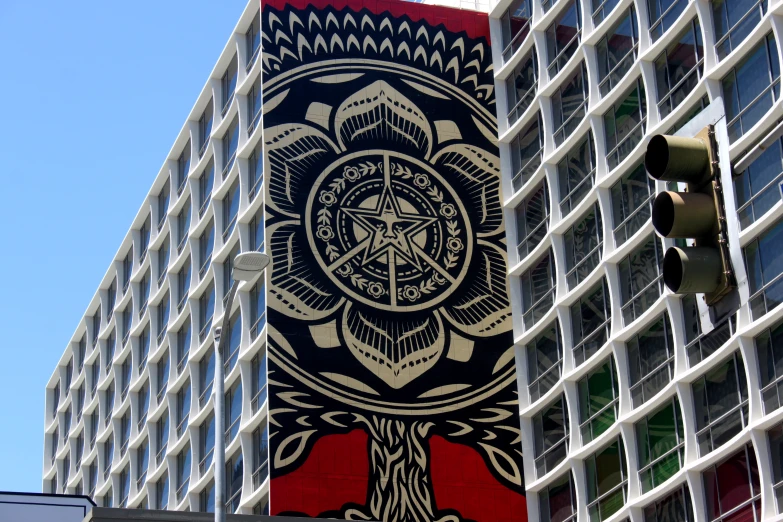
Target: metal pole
{"points": [[220, 428]]}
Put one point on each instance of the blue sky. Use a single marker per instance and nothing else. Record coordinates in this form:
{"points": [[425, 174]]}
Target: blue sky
{"points": [[93, 94]]}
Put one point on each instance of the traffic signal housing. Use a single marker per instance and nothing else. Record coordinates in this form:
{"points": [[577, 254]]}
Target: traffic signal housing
{"points": [[698, 214]]}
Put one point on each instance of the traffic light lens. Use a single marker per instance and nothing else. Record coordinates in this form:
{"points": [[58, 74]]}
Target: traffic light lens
{"points": [[663, 214], [656, 160], [672, 269]]}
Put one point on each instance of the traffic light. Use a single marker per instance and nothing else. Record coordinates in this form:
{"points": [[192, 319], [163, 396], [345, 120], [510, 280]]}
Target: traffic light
{"points": [[698, 214]]}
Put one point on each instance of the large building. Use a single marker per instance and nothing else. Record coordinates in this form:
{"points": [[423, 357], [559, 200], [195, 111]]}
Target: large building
{"points": [[465, 316]]}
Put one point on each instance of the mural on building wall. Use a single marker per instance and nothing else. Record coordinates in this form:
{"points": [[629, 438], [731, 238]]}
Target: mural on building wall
{"points": [[391, 367]]}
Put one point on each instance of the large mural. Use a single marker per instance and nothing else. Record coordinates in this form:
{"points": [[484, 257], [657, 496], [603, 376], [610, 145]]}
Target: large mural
{"points": [[391, 367]]}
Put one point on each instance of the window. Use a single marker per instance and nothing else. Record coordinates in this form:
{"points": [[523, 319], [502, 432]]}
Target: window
{"points": [[183, 345], [144, 290], [205, 128], [607, 481], [68, 375], [206, 499], [127, 270], [576, 174], [557, 501], [254, 105], [521, 86], [206, 309], [110, 346], [258, 382], [641, 279], [108, 456], [205, 245], [537, 287], [183, 408], [662, 14], [205, 183], [624, 124], [583, 247], [257, 231], [144, 405], [699, 106], [163, 317], [234, 475], [617, 51], [111, 298], [79, 450], [751, 87], [124, 487], [109, 403], [734, 20], [675, 507], [769, 346], [651, 360], [144, 239], [550, 431], [163, 375], [261, 508], [81, 350], [162, 434], [260, 456], [92, 476], [235, 337], [163, 204], [660, 443], [256, 174], [591, 319], [532, 220], [569, 104], [162, 492], [775, 436], [230, 209], [94, 420], [96, 326], [55, 399], [601, 8], [206, 372], [700, 346], [732, 488], [183, 168], [79, 397], [632, 199], [598, 401], [526, 152], [183, 472], [95, 369], [127, 322], [228, 272], [142, 463], [563, 37], [257, 309], [720, 401], [229, 84], [125, 429], [678, 68], [66, 424], [758, 186], [515, 26], [55, 443], [763, 257], [206, 443], [126, 377], [163, 261], [183, 226], [183, 285], [66, 471], [230, 143], [233, 410], [544, 361], [108, 498], [252, 43]]}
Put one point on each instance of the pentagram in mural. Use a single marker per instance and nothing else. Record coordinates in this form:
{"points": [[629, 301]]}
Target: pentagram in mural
{"points": [[389, 230]]}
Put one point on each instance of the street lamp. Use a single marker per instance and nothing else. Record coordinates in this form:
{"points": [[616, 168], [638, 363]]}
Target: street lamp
{"points": [[246, 267]]}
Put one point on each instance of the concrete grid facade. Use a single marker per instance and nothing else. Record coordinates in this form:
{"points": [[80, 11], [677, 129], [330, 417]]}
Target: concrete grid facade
{"points": [[604, 352]]}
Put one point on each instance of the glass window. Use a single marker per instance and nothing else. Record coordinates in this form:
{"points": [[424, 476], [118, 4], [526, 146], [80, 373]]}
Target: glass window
{"points": [[256, 174], [651, 360], [515, 26], [144, 405], [258, 382], [734, 20], [557, 501], [526, 152], [230, 143], [206, 244], [183, 472], [532, 220], [674, 507], [521, 86], [183, 408], [751, 87], [757, 188], [144, 290], [632, 199], [96, 326], [183, 345], [162, 434], [678, 68], [162, 492], [769, 346], [544, 361], [661, 445], [229, 84], [591, 319], [206, 372], [142, 463], [207, 443], [163, 376], [583, 247], [732, 488], [183, 285], [720, 400], [576, 174], [254, 105], [550, 431], [260, 455], [764, 264], [124, 487], [234, 341], [662, 14], [699, 106], [144, 347], [624, 124], [598, 401], [257, 231], [110, 346], [230, 209], [126, 377], [252, 43], [163, 203], [205, 183], [233, 410], [163, 261], [183, 226], [206, 310], [183, 168], [569, 104], [108, 455], [205, 128], [700, 346], [607, 481], [206, 499], [537, 286], [108, 498], [111, 298], [109, 404], [641, 279], [257, 309], [234, 476], [127, 270], [775, 435], [563, 37], [617, 51], [163, 317]]}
